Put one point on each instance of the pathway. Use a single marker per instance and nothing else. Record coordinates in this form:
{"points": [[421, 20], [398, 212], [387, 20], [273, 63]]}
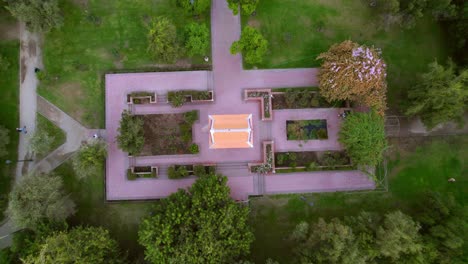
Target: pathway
{"points": [[228, 80]]}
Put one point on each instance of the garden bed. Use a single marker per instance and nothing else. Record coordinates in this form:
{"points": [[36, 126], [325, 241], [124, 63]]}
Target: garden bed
{"points": [[184, 171], [168, 134], [137, 172], [306, 129], [179, 98], [312, 160], [298, 98]]}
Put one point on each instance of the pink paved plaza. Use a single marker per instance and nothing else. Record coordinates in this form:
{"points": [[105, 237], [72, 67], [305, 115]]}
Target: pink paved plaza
{"points": [[228, 81]]}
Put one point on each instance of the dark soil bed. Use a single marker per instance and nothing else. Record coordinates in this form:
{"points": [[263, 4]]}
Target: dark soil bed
{"points": [[327, 159], [300, 100], [167, 134]]}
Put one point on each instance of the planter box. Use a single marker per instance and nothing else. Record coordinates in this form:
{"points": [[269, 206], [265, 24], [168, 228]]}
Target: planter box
{"points": [[266, 108], [144, 98], [138, 172], [211, 94], [268, 157]]}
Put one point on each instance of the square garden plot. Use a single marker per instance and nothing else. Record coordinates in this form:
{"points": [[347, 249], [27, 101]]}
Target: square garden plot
{"points": [[168, 134], [306, 129]]}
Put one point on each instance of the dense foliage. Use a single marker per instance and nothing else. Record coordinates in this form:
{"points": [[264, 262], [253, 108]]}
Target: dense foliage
{"points": [[39, 15], [247, 6], [89, 159], [197, 39], [162, 38], [252, 45], [131, 137], [440, 96], [4, 140], [41, 142], [363, 136], [39, 197], [199, 225], [79, 245], [405, 13], [194, 7], [435, 235], [353, 72]]}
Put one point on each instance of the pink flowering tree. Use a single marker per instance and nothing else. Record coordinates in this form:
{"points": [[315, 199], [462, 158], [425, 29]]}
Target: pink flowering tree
{"points": [[354, 72]]}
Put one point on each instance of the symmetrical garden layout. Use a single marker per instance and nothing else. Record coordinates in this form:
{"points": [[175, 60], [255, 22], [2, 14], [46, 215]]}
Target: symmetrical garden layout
{"points": [[237, 130]]}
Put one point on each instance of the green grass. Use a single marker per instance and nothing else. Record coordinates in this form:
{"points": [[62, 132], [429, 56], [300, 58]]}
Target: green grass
{"points": [[291, 26], [108, 36], [121, 219], [52, 130], [9, 116], [428, 168]]}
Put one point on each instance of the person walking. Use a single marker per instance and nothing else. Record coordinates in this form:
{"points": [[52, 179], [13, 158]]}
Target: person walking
{"points": [[23, 130]]}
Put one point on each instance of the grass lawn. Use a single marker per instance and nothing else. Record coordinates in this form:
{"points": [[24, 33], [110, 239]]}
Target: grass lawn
{"points": [[121, 219], [99, 37], [52, 130], [9, 116], [428, 168], [299, 30]]}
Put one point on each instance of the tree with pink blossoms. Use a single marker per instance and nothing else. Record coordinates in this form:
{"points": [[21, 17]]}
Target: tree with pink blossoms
{"points": [[354, 72]]}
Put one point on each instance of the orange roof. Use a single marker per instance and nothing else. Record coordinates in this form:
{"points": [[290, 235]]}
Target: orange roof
{"points": [[231, 131]]}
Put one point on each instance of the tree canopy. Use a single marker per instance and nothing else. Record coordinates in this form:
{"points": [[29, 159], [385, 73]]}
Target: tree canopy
{"points": [[131, 137], [39, 15], [353, 72], [39, 197], [4, 141], [41, 142], [199, 225], [252, 45], [79, 245], [363, 136], [441, 96], [194, 7], [247, 6], [162, 38], [197, 39], [89, 159]]}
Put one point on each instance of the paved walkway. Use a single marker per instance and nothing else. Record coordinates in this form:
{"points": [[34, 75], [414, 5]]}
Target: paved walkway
{"points": [[228, 79]]}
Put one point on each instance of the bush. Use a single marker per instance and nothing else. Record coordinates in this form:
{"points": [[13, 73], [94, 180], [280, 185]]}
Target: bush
{"points": [[247, 6], [312, 166], [194, 148], [252, 45], [180, 172], [131, 176], [322, 133], [41, 142], [176, 99], [89, 159], [131, 137], [194, 7], [162, 38], [199, 170], [191, 117], [197, 39]]}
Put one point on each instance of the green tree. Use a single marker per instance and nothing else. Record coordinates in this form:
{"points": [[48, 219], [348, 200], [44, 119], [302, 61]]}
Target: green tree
{"points": [[441, 96], [248, 6], [4, 141], [41, 142], [363, 136], [79, 245], [331, 242], [252, 45], [398, 237], [39, 15], [90, 158], [162, 38], [194, 7], [353, 72], [197, 39], [199, 225], [39, 197], [131, 136]]}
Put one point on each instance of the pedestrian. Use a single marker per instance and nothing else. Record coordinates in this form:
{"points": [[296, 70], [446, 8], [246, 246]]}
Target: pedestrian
{"points": [[23, 129], [95, 136]]}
